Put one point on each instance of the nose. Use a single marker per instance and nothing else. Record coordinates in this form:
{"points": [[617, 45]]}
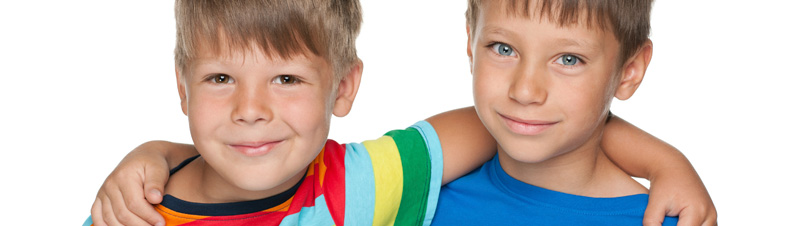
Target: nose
{"points": [[529, 85], [251, 105]]}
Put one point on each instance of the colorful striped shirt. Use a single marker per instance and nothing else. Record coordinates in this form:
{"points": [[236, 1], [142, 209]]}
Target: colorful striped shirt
{"points": [[393, 180]]}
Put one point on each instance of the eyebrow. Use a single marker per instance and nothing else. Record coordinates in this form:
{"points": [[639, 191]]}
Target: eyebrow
{"points": [[568, 42], [497, 31], [559, 42]]}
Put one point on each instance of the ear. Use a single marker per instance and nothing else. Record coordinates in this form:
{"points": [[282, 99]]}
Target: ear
{"points": [[469, 51], [633, 71], [347, 90], [182, 90]]}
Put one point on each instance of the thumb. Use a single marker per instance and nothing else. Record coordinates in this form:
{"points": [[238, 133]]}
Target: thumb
{"points": [[154, 183], [655, 213]]}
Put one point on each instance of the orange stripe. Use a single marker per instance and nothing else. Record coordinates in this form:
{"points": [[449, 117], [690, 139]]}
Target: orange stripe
{"points": [[176, 218], [322, 168]]}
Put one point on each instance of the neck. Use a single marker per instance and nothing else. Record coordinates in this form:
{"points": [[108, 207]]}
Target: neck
{"points": [[584, 171], [199, 182]]}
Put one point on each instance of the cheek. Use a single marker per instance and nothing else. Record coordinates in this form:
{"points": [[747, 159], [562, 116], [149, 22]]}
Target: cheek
{"points": [[488, 84], [207, 118], [309, 118], [206, 110], [587, 99], [490, 91], [308, 113], [481, 99], [479, 74]]}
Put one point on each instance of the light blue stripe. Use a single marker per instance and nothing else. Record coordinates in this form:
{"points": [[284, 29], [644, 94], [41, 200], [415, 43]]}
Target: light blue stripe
{"points": [[436, 154], [318, 214], [359, 186], [88, 221]]}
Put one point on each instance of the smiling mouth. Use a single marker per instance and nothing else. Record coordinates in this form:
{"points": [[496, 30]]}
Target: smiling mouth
{"points": [[527, 127], [255, 148]]}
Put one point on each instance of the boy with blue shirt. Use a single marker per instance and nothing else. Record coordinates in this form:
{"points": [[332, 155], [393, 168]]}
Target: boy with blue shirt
{"points": [[544, 75], [258, 81]]}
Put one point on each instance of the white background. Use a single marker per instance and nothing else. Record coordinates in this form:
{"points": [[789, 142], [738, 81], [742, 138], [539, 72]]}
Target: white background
{"points": [[85, 82]]}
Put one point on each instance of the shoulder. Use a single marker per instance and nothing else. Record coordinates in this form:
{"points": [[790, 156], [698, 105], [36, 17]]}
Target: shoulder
{"points": [[417, 144], [612, 181], [395, 177], [473, 189]]}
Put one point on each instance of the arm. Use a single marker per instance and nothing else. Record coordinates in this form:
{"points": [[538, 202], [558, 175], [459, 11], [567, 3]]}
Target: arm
{"points": [[676, 188], [465, 141], [466, 145], [120, 200]]}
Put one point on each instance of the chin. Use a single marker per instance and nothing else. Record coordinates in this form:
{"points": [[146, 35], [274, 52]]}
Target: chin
{"points": [[531, 158], [257, 183], [529, 153]]}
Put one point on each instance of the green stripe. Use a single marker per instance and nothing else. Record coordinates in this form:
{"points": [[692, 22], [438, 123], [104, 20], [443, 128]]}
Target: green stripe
{"points": [[416, 167]]}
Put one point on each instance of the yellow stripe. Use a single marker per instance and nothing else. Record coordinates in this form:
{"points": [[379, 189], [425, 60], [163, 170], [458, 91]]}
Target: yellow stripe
{"points": [[388, 179]]}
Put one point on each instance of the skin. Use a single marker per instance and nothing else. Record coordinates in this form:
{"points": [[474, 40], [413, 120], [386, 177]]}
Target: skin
{"points": [[545, 95], [257, 121]]}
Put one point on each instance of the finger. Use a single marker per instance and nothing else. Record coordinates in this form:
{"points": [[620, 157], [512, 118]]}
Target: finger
{"points": [[712, 216], [96, 213], [136, 204], [689, 217], [120, 210], [710, 222], [145, 211], [655, 213], [155, 179], [107, 212], [712, 219]]}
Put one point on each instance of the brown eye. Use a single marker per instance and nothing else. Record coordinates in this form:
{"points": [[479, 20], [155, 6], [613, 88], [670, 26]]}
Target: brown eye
{"points": [[286, 80], [221, 79]]}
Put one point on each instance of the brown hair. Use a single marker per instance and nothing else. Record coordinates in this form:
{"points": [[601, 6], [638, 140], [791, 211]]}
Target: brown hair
{"points": [[627, 19], [280, 28]]}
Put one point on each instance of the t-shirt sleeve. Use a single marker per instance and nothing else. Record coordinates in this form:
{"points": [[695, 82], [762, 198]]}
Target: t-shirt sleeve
{"points": [[394, 180], [88, 222]]}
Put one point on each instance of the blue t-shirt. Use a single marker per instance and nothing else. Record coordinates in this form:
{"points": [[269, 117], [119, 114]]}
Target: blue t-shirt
{"points": [[489, 196]]}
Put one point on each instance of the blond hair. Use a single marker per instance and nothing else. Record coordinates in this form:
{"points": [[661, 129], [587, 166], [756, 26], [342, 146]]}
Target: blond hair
{"points": [[280, 28]]}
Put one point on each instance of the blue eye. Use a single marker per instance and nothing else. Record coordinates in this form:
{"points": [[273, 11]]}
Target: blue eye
{"points": [[567, 60], [503, 49]]}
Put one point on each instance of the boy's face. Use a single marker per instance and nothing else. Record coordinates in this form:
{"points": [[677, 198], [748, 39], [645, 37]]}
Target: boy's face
{"points": [[540, 89], [259, 121]]}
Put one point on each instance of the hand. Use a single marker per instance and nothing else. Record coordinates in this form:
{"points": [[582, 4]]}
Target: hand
{"points": [[121, 200], [680, 194]]}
